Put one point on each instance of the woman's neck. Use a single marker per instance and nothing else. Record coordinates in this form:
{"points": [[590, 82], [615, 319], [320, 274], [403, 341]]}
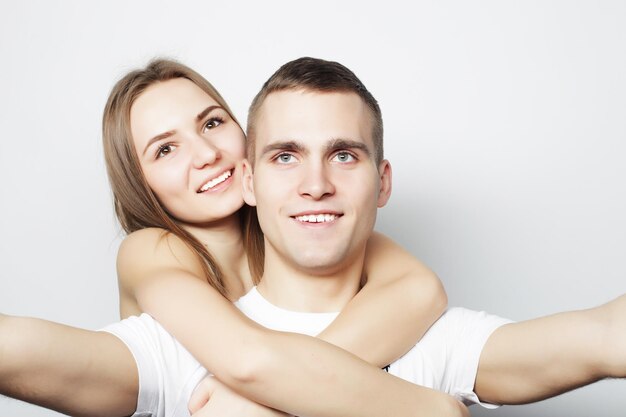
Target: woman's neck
{"points": [[224, 240]]}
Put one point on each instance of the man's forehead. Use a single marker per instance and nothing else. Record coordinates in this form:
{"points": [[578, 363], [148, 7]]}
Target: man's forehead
{"points": [[312, 117]]}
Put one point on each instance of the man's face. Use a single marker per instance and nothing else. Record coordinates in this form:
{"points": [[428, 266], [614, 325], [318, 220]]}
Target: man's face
{"points": [[316, 184]]}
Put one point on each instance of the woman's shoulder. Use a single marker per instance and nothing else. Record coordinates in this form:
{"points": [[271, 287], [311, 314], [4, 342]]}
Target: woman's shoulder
{"points": [[144, 255], [152, 239], [155, 247]]}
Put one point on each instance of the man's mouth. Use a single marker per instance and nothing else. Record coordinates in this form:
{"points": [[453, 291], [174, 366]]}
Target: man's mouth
{"points": [[317, 218], [216, 181]]}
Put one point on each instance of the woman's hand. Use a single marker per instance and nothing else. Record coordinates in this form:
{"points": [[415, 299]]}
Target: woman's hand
{"points": [[211, 398]]}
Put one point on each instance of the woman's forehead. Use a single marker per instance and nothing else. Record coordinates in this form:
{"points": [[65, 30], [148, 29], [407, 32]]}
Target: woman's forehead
{"points": [[166, 105]]}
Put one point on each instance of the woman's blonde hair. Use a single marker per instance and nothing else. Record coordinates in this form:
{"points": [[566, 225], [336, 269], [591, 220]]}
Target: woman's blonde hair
{"points": [[136, 206]]}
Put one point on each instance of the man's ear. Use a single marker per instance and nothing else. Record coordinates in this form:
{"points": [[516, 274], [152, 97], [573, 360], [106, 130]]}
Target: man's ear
{"points": [[384, 170], [247, 184]]}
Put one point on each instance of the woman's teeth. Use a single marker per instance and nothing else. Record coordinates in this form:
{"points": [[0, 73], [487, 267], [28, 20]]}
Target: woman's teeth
{"points": [[216, 181]]}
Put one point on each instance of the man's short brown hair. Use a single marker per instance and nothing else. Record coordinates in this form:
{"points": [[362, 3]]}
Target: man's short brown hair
{"points": [[316, 75]]}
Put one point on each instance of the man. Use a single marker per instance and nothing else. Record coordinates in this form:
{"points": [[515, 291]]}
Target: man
{"points": [[317, 176]]}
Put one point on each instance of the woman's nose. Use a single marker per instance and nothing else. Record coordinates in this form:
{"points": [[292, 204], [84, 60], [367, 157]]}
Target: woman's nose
{"points": [[205, 153]]}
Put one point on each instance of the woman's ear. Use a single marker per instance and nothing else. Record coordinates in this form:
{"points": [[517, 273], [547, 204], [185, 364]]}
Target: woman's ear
{"points": [[247, 184], [384, 170]]}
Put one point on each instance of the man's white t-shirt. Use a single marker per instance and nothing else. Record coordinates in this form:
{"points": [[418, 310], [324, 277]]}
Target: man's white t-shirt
{"points": [[446, 359]]}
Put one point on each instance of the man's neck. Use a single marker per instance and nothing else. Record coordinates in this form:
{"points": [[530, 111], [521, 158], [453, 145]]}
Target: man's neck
{"points": [[294, 288]]}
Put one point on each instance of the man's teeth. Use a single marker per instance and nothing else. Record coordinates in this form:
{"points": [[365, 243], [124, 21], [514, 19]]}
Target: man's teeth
{"points": [[316, 218], [216, 181]]}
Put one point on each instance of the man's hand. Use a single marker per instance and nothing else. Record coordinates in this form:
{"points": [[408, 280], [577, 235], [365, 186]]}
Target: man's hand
{"points": [[211, 398]]}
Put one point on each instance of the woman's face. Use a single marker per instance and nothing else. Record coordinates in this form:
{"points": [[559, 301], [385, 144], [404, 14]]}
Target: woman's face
{"points": [[190, 151]]}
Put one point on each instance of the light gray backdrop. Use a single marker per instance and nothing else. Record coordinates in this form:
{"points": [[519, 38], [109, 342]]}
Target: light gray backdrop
{"points": [[505, 125]]}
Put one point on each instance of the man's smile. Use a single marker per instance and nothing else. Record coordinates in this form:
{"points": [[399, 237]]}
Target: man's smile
{"points": [[316, 218]]}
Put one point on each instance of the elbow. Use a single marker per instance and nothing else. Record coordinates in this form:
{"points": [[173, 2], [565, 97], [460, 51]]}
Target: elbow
{"points": [[439, 295], [427, 293], [454, 408], [252, 368], [247, 369]]}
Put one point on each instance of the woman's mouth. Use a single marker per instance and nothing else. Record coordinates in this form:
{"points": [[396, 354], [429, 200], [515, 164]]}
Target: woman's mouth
{"points": [[216, 181]]}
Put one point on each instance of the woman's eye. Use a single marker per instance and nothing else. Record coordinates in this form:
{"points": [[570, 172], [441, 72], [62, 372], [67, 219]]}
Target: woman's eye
{"points": [[285, 158], [164, 150], [343, 157], [213, 122]]}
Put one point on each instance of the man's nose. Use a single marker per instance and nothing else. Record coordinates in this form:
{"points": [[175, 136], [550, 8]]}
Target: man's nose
{"points": [[316, 182]]}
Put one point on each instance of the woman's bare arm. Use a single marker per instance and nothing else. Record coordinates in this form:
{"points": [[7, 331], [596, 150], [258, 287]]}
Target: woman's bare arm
{"points": [[73, 371], [298, 374], [400, 301]]}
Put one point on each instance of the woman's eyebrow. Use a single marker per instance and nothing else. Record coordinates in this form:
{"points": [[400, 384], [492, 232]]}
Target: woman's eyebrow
{"points": [[157, 138], [206, 111]]}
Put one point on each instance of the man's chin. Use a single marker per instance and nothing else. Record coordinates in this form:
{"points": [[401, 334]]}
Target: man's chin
{"points": [[318, 265]]}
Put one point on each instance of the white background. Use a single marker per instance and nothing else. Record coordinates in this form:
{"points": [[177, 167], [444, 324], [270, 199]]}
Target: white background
{"points": [[505, 124]]}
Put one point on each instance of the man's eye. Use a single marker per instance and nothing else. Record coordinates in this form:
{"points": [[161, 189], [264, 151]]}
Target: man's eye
{"points": [[164, 150], [285, 158], [344, 157], [213, 122]]}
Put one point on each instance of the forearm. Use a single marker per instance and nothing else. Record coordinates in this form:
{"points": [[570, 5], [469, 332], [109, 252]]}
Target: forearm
{"points": [[74, 371], [332, 382], [212, 398], [384, 320]]}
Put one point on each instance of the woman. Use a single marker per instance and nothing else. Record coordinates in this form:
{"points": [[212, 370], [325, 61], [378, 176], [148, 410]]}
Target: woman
{"points": [[174, 153], [201, 208]]}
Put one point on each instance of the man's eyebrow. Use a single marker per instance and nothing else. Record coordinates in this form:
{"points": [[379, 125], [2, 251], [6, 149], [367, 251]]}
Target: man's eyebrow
{"points": [[340, 143], [206, 111], [157, 138], [288, 145]]}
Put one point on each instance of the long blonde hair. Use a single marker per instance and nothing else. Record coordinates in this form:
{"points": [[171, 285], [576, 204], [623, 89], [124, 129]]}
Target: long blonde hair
{"points": [[136, 206]]}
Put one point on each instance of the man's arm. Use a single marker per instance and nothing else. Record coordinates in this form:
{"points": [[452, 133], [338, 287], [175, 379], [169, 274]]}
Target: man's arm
{"points": [[537, 359], [73, 371]]}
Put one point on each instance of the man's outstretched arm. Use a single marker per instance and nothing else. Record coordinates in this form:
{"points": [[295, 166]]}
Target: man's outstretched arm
{"points": [[537, 359], [73, 371]]}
